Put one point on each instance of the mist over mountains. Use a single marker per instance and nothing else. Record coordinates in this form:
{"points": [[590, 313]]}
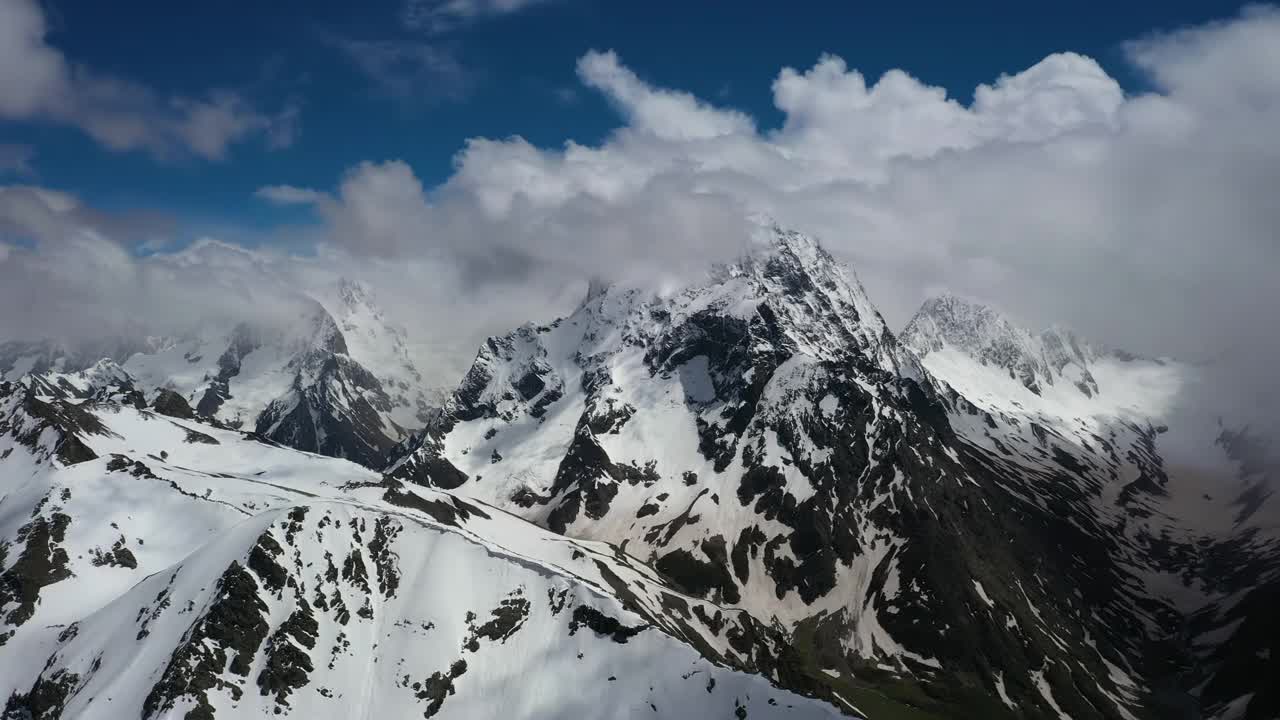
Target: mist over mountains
{"points": [[902, 405], [964, 517], [1045, 184]]}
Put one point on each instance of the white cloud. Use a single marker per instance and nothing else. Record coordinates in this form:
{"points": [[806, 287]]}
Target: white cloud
{"points": [[1065, 92], [72, 275], [1141, 220], [1145, 221], [381, 207], [38, 83], [288, 195], [666, 114], [31, 72]]}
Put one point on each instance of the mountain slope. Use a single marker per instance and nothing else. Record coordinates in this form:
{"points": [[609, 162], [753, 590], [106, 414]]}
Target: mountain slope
{"points": [[333, 378], [1185, 501], [766, 442], [378, 344], [750, 480], [175, 568], [1054, 357]]}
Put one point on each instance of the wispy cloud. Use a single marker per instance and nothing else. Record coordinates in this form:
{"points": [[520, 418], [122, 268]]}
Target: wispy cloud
{"points": [[439, 16], [288, 195], [16, 159], [425, 67], [407, 70], [39, 83]]}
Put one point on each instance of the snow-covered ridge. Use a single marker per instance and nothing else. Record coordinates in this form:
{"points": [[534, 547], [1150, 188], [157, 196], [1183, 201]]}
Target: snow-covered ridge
{"points": [[1054, 356], [766, 443], [750, 475], [174, 566], [332, 376]]}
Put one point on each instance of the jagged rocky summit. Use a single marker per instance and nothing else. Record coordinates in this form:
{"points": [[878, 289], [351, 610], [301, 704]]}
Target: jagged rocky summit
{"points": [[748, 497]]}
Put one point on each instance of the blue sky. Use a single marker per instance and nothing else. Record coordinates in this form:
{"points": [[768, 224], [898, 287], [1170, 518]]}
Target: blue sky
{"points": [[495, 75]]}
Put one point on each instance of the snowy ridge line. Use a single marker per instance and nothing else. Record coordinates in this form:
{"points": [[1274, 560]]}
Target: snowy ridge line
{"points": [[764, 442], [243, 467], [971, 521]]}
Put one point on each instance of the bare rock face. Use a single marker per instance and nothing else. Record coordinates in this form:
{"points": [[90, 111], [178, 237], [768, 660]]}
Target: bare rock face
{"points": [[170, 403]]}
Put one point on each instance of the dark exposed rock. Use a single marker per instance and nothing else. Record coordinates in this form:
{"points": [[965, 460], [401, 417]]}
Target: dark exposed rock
{"points": [[170, 403], [243, 341], [699, 577], [42, 562], [69, 420], [117, 556], [355, 572], [45, 700], [232, 630], [530, 384], [288, 665], [440, 511], [1248, 663], [198, 437], [428, 468], [586, 480], [750, 540], [435, 689], [334, 413], [384, 558], [262, 561], [601, 624], [507, 619]]}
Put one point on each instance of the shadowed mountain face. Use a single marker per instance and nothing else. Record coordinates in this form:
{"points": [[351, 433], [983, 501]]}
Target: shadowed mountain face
{"points": [[972, 521], [1186, 498]]}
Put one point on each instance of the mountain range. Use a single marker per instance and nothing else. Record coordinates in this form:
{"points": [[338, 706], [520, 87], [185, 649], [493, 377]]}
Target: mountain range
{"points": [[749, 497]]}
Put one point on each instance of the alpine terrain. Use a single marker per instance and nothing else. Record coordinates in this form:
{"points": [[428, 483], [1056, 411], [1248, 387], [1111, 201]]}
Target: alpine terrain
{"points": [[748, 497]]}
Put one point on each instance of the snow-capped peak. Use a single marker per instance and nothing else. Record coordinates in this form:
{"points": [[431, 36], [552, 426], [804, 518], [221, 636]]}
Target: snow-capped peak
{"points": [[354, 293], [815, 300], [989, 337], [381, 346]]}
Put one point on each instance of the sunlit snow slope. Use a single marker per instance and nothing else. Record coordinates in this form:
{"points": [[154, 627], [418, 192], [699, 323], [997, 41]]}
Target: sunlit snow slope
{"points": [[155, 566]]}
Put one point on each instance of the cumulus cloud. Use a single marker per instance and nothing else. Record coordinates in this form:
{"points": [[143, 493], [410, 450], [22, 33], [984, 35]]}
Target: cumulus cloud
{"points": [[665, 114], [39, 83], [1052, 192], [1142, 220], [1145, 221]]}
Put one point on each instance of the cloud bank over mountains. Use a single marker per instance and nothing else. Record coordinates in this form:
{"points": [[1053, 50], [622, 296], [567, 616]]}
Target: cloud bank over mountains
{"points": [[1145, 220]]}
